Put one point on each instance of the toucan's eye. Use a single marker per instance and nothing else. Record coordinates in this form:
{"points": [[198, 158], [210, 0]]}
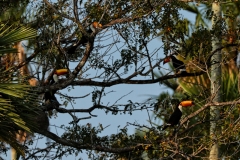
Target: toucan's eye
{"points": [[166, 60]]}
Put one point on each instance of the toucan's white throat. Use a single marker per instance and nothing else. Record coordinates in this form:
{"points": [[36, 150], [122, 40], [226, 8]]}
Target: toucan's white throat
{"points": [[55, 78], [92, 28], [180, 107]]}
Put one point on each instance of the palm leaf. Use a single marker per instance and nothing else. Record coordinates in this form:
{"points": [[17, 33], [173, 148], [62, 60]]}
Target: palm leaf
{"points": [[230, 86], [7, 50], [16, 35], [18, 105], [199, 15]]}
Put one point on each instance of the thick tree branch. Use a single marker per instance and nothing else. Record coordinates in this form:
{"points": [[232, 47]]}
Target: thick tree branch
{"points": [[20, 65], [75, 11], [128, 81], [206, 106], [89, 82], [69, 81], [85, 146]]}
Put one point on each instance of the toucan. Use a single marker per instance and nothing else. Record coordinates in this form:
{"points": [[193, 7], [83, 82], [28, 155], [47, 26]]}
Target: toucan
{"points": [[83, 40], [177, 64], [49, 96], [57, 73], [177, 114]]}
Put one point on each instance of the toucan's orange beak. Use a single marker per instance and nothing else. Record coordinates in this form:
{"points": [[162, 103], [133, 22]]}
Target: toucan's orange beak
{"points": [[167, 59], [97, 25], [187, 103], [61, 72]]}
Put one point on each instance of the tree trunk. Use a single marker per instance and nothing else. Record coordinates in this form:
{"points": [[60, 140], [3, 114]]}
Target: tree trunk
{"points": [[22, 136], [215, 84], [13, 154]]}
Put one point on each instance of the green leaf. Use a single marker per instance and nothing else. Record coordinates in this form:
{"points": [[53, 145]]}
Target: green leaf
{"points": [[16, 35]]}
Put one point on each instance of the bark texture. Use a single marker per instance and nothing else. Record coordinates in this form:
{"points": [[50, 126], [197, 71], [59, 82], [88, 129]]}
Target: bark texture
{"points": [[216, 73]]}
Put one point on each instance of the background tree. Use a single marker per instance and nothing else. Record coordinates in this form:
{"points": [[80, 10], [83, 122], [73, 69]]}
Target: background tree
{"points": [[200, 85]]}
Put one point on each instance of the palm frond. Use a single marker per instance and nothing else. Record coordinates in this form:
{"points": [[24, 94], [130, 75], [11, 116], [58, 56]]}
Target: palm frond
{"points": [[15, 35], [200, 20], [7, 50], [19, 104], [18, 109], [230, 86]]}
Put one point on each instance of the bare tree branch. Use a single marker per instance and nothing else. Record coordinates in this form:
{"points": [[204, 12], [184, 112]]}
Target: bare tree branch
{"points": [[127, 81]]}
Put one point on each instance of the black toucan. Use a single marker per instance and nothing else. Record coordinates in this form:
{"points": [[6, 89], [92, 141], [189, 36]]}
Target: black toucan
{"points": [[177, 64], [177, 114], [83, 40], [49, 97]]}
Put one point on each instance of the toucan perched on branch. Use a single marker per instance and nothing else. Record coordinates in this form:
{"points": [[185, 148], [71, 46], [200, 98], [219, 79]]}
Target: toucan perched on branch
{"points": [[49, 96], [177, 114], [59, 72], [84, 39], [177, 64]]}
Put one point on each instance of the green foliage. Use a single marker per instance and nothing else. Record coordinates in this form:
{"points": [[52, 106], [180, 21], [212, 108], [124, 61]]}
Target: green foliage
{"points": [[12, 11], [18, 105], [11, 35], [229, 86], [194, 134]]}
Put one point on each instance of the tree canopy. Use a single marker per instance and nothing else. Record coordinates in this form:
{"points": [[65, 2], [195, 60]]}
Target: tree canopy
{"points": [[127, 46]]}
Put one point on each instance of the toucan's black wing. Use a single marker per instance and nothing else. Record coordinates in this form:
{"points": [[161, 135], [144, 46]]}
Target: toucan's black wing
{"points": [[177, 64], [174, 118], [83, 41], [50, 96], [72, 49]]}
